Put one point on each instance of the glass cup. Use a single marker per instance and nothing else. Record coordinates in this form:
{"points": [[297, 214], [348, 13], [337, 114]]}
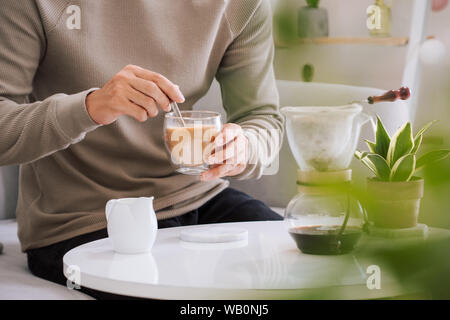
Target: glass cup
{"points": [[190, 144]]}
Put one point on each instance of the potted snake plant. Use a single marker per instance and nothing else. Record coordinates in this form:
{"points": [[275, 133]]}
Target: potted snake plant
{"points": [[395, 190]]}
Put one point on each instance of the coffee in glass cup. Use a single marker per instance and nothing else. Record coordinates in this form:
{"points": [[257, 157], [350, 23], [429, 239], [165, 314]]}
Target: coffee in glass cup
{"points": [[190, 142]]}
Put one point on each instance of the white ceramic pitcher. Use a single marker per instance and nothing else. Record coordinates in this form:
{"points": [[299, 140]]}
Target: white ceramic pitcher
{"points": [[132, 224]]}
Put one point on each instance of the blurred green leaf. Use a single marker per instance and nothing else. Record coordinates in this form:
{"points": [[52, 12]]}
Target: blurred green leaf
{"points": [[403, 169], [285, 25], [431, 157], [401, 144], [418, 264], [308, 72]]}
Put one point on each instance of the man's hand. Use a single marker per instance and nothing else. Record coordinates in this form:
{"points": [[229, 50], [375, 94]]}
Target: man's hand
{"points": [[231, 155], [135, 92]]}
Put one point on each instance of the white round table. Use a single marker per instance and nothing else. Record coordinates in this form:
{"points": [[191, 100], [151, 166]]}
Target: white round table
{"points": [[266, 266]]}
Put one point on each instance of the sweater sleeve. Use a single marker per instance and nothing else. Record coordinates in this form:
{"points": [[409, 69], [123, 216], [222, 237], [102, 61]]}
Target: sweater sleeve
{"points": [[30, 131], [249, 92]]}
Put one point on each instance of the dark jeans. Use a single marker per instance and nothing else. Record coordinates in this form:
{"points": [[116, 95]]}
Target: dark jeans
{"points": [[228, 206]]}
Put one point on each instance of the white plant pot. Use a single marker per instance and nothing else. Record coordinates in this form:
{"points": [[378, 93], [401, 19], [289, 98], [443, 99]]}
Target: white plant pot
{"points": [[312, 22], [395, 205]]}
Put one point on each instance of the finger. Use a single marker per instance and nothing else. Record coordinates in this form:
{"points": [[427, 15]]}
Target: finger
{"points": [[242, 149], [236, 170], [234, 152], [133, 110], [226, 154], [229, 132], [144, 101], [217, 172], [151, 89], [170, 89]]}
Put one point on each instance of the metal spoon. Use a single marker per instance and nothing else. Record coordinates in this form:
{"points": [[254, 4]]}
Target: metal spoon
{"points": [[177, 112]]}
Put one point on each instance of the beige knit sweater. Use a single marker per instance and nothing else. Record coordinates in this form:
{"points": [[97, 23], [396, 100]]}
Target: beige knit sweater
{"points": [[53, 52]]}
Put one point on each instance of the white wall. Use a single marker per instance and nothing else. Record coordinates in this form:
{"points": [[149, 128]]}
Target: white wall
{"points": [[373, 66]]}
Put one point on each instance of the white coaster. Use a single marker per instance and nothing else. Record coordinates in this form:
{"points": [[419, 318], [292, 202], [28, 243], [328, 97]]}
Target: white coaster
{"points": [[421, 230], [214, 234], [213, 246]]}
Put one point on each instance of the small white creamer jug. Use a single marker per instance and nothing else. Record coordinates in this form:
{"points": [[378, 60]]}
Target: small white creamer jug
{"points": [[132, 224]]}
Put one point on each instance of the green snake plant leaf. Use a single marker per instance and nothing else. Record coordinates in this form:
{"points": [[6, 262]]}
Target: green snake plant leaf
{"points": [[371, 146], [401, 144], [424, 128], [376, 163], [382, 168], [403, 169], [417, 143], [419, 136], [382, 139], [431, 157], [358, 154], [370, 165]]}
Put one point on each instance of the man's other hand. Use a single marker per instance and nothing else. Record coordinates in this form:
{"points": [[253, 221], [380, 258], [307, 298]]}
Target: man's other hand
{"points": [[231, 154]]}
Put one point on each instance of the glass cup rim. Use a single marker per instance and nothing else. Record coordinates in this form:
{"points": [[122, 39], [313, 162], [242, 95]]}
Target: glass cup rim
{"points": [[210, 115]]}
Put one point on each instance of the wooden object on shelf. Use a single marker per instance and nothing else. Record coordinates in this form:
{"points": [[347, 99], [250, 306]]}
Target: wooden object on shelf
{"points": [[389, 41]]}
